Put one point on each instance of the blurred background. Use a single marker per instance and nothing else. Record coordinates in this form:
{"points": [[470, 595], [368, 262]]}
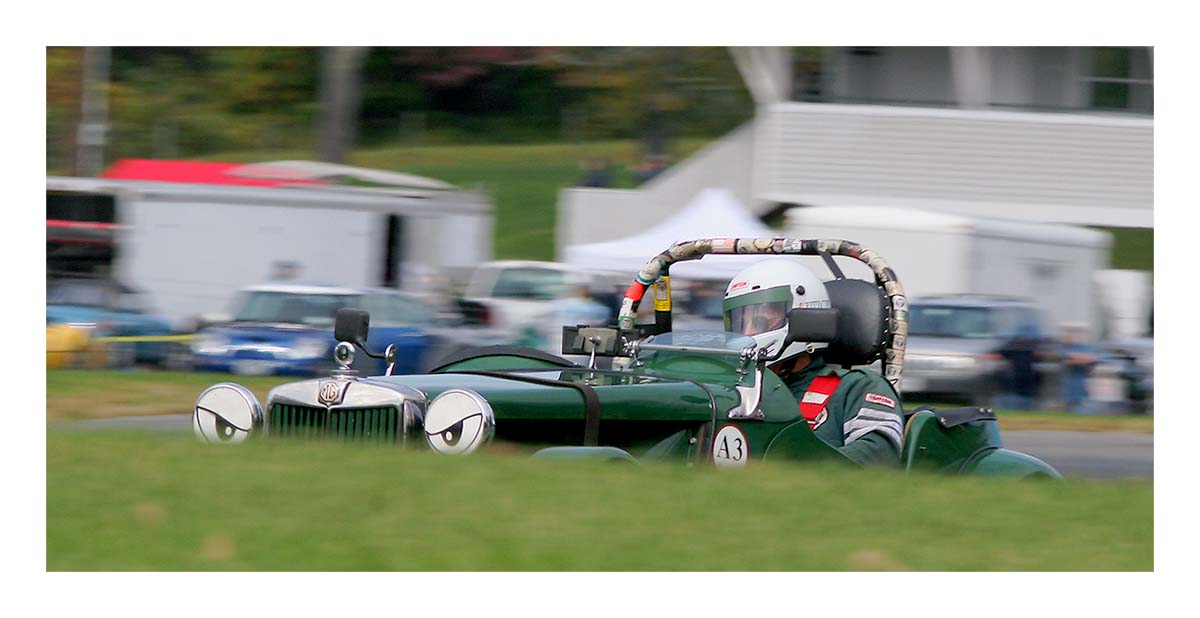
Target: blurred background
{"points": [[209, 208]]}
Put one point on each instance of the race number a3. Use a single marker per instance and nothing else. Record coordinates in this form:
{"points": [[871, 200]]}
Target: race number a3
{"points": [[730, 447]]}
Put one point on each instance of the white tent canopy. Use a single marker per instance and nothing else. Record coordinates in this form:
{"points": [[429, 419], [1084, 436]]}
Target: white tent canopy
{"points": [[712, 213]]}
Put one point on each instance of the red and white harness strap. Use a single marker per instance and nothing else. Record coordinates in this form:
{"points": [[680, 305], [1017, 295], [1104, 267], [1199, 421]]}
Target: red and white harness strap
{"points": [[812, 404]]}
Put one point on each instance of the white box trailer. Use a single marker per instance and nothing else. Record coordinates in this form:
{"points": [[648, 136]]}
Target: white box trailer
{"points": [[192, 246], [937, 253]]}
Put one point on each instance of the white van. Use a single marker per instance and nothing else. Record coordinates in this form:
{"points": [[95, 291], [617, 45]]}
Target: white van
{"points": [[519, 293]]}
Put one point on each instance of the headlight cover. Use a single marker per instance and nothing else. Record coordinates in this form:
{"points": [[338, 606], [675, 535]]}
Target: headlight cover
{"points": [[459, 421], [226, 413]]}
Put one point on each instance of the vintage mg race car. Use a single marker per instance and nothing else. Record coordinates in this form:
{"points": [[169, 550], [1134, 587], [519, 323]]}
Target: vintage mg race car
{"points": [[695, 397]]}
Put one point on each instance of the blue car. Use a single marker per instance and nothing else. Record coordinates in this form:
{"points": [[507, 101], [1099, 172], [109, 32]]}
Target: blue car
{"points": [[109, 309], [287, 329]]}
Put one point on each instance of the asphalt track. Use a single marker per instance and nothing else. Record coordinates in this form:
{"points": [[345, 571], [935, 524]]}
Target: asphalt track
{"points": [[1090, 454]]}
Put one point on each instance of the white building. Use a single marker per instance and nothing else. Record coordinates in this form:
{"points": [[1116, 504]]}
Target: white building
{"points": [[1054, 134]]}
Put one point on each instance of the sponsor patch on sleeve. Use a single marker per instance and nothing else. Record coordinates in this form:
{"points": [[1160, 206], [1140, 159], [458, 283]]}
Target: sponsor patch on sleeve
{"points": [[880, 399], [811, 397]]}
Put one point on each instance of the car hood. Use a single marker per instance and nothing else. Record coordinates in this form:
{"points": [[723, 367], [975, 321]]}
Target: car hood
{"points": [[544, 396], [122, 322], [949, 346], [74, 314]]}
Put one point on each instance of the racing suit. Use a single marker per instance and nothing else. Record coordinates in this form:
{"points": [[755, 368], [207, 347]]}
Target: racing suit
{"points": [[862, 418]]}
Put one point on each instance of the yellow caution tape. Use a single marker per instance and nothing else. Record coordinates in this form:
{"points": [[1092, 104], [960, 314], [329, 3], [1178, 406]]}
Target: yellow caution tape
{"points": [[164, 338]]}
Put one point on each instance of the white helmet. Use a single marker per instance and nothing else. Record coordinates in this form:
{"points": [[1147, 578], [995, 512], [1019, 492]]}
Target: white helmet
{"points": [[758, 299]]}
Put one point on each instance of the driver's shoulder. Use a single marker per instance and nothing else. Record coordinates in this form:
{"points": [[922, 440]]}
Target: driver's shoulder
{"points": [[863, 382]]}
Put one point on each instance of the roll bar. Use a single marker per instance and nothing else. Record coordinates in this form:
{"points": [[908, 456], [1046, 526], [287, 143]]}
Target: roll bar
{"points": [[656, 273]]}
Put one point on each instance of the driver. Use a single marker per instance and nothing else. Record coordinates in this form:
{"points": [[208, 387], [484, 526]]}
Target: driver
{"points": [[856, 411]]}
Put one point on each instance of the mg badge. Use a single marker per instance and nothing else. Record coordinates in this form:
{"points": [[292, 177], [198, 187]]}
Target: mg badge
{"points": [[331, 392]]}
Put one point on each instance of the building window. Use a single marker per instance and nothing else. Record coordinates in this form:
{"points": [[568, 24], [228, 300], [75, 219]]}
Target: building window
{"points": [[1121, 79]]}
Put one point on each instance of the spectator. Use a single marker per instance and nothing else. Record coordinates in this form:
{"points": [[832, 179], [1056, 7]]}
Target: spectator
{"points": [[649, 168], [1021, 383], [1078, 358], [595, 172], [611, 299]]}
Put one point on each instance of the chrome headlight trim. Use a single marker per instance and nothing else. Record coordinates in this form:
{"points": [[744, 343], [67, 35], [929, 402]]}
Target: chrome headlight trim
{"points": [[226, 413], [459, 421]]}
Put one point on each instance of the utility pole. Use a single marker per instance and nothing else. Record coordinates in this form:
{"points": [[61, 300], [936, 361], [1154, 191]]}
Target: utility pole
{"points": [[93, 121], [338, 98]]}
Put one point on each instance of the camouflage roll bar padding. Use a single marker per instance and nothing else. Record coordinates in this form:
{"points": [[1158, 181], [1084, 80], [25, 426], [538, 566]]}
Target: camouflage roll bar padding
{"points": [[893, 360]]}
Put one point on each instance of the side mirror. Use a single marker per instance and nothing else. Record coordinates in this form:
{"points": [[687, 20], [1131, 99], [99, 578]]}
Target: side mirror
{"points": [[351, 326], [600, 340], [819, 325]]}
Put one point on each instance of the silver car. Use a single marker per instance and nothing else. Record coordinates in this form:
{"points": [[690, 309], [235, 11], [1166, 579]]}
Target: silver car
{"points": [[955, 343]]}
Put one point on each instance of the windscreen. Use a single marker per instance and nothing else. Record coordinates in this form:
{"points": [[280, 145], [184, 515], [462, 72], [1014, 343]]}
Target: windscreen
{"points": [[397, 310], [76, 293], [529, 284], [292, 308], [953, 322], [705, 339]]}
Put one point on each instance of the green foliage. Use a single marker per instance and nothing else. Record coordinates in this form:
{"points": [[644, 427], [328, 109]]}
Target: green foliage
{"points": [[184, 102], [1133, 248], [167, 503], [658, 91]]}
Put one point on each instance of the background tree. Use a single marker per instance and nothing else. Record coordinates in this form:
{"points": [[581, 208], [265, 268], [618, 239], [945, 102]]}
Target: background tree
{"points": [[179, 102], [341, 77]]}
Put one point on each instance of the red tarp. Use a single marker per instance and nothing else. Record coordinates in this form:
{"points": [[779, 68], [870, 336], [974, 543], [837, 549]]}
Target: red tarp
{"points": [[200, 172]]}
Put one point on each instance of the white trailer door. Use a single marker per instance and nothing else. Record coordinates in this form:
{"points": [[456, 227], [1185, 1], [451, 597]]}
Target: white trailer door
{"points": [[193, 256]]}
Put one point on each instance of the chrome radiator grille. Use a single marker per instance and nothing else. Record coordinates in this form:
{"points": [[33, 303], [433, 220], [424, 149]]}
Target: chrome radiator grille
{"points": [[379, 424]]}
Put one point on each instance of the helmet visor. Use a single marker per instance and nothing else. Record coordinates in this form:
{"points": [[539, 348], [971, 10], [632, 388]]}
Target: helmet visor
{"points": [[757, 318], [758, 312]]}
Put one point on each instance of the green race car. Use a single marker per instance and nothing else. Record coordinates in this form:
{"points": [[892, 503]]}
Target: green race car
{"points": [[694, 397]]}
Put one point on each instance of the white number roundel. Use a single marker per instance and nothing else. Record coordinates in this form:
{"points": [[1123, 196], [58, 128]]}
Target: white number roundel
{"points": [[730, 448]]}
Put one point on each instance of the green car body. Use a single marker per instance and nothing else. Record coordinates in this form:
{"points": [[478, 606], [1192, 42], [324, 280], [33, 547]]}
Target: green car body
{"points": [[666, 406], [692, 398]]}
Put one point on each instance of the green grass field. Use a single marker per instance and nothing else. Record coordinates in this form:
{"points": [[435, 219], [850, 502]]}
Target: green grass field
{"points": [[73, 394], [124, 502]]}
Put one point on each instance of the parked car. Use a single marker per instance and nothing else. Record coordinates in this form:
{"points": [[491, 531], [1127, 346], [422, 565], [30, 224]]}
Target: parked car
{"points": [[104, 308], [955, 346], [72, 347], [1132, 361], [517, 293], [287, 329]]}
